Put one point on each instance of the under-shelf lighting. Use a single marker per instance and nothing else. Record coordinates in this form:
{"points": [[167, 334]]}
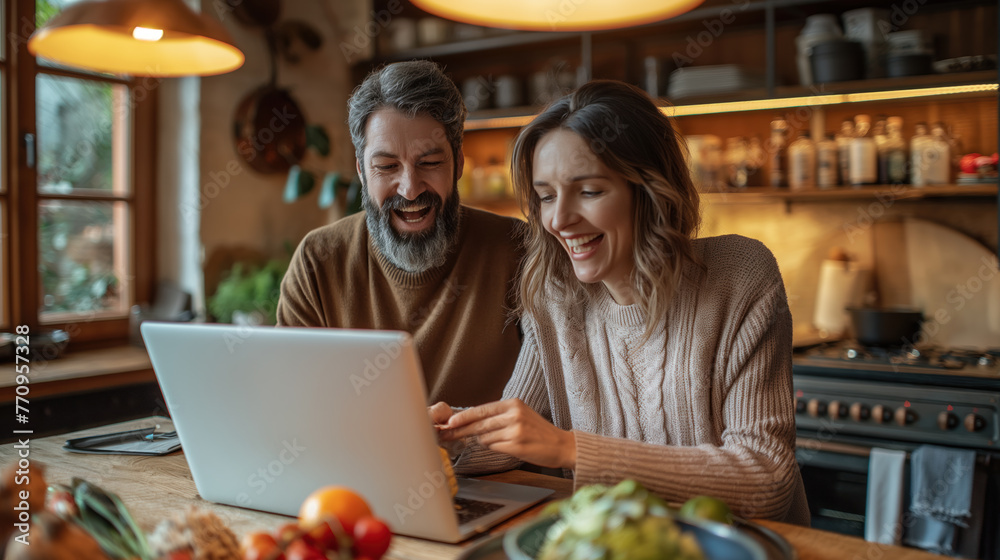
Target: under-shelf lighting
{"points": [[765, 104], [822, 99]]}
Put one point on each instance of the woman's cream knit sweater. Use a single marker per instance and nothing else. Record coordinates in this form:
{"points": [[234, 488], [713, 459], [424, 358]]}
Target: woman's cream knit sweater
{"points": [[704, 407]]}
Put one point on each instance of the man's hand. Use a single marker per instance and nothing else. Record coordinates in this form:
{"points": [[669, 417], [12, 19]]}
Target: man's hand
{"points": [[512, 427]]}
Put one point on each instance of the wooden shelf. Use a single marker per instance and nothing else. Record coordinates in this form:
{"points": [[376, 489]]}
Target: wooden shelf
{"points": [[768, 195], [952, 86], [791, 10]]}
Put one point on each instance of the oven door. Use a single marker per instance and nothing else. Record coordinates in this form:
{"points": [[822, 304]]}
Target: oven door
{"points": [[836, 483], [835, 475]]}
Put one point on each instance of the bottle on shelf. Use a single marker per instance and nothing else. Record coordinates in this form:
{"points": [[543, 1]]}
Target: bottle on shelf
{"points": [[843, 139], [956, 146], [497, 181], [938, 156], [892, 155], [827, 162], [918, 171], [878, 133], [737, 162], [756, 158], [466, 189], [480, 190], [863, 153], [777, 148], [802, 163]]}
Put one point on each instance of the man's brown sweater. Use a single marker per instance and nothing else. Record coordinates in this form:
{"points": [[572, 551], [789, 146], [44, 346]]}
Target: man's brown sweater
{"points": [[457, 313]]}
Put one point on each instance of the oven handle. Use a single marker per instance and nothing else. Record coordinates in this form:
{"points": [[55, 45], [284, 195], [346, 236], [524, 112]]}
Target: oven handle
{"points": [[859, 450], [833, 447]]}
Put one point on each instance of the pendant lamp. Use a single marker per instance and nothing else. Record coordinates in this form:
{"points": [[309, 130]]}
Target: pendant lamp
{"points": [[162, 38], [557, 15]]}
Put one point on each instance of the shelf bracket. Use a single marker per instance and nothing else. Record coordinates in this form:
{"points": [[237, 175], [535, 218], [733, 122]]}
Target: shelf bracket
{"points": [[770, 52]]}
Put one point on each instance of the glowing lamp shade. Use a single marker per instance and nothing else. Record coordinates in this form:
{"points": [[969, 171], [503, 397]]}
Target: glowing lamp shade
{"points": [[163, 38], [557, 15]]}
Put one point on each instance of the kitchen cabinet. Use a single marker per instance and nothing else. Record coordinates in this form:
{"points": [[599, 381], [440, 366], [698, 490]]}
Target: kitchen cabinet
{"points": [[757, 34]]}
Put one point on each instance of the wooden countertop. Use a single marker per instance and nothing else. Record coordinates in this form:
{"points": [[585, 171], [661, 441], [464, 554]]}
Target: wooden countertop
{"points": [[155, 487]]}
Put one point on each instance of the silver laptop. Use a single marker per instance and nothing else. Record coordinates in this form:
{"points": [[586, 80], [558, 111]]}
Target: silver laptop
{"points": [[267, 415]]}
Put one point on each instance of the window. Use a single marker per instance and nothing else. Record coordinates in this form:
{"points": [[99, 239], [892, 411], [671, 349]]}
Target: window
{"points": [[77, 188]]}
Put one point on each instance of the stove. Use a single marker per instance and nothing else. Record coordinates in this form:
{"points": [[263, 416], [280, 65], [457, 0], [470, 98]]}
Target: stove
{"points": [[937, 396], [850, 399], [978, 369]]}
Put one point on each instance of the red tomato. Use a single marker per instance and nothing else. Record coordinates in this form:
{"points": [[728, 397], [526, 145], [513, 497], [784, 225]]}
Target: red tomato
{"points": [[968, 163], [301, 550], [258, 546], [323, 536], [333, 502], [371, 537]]}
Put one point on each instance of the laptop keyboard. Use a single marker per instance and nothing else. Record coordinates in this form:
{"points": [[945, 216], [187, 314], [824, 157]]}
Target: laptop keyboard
{"points": [[469, 510]]}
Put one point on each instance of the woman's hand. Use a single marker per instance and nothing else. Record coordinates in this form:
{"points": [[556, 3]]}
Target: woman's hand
{"points": [[512, 427], [440, 412]]}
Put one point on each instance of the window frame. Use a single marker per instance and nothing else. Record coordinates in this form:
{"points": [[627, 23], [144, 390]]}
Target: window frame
{"points": [[23, 200]]}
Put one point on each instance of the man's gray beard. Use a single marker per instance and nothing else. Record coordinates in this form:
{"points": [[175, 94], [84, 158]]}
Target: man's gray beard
{"points": [[419, 252]]}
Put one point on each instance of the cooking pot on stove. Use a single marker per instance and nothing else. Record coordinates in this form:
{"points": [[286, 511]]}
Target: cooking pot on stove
{"points": [[885, 327]]}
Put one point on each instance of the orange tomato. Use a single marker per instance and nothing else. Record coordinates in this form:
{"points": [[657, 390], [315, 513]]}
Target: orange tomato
{"points": [[336, 502], [259, 546]]}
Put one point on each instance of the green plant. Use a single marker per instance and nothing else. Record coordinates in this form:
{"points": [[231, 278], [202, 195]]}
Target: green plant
{"points": [[249, 289]]}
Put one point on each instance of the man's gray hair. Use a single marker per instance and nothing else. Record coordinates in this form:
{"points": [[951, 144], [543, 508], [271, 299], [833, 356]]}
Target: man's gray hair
{"points": [[416, 87]]}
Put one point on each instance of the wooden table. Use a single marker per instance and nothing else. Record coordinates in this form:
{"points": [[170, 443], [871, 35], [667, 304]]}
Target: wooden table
{"points": [[153, 488]]}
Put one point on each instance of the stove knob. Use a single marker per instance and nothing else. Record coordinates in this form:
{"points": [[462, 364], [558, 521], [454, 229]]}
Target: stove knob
{"points": [[881, 414], [947, 420], [905, 416], [860, 412], [837, 410], [816, 408], [974, 422], [800, 406]]}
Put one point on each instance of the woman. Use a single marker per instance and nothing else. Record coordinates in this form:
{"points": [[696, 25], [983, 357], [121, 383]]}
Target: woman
{"points": [[666, 359]]}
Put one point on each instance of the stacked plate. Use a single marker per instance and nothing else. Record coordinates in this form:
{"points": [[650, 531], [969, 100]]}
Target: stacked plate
{"points": [[706, 80]]}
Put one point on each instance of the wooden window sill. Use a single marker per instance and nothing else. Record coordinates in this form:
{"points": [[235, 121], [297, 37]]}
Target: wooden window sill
{"points": [[83, 371]]}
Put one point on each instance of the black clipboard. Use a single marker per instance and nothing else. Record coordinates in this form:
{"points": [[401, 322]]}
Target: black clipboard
{"points": [[144, 441]]}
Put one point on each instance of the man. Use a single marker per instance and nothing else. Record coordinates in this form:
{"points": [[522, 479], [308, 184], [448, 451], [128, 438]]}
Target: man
{"points": [[415, 260]]}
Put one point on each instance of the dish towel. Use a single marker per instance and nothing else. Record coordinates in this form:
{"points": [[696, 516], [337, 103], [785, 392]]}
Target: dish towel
{"points": [[884, 507], [940, 496]]}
